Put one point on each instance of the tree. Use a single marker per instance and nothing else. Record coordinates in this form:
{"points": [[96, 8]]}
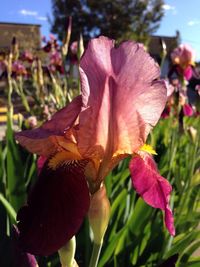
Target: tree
{"points": [[119, 19]]}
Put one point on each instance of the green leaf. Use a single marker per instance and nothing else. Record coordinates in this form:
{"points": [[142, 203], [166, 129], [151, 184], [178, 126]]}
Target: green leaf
{"points": [[188, 252], [116, 204], [16, 190], [107, 253], [191, 264], [182, 242], [139, 217]]}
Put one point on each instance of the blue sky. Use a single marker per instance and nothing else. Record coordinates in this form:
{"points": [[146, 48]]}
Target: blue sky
{"points": [[179, 15]]}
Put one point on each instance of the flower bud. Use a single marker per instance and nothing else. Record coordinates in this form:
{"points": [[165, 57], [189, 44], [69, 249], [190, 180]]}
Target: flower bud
{"points": [[40, 77], [15, 48], [80, 47], [31, 122], [99, 214], [67, 252], [66, 41], [193, 133]]}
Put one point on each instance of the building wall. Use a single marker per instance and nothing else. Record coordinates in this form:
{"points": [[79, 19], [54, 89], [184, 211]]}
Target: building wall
{"points": [[28, 36]]}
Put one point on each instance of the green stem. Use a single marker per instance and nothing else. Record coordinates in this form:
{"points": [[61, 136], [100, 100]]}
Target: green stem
{"points": [[23, 97], [8, 207], [10, 106], [95, 254]]}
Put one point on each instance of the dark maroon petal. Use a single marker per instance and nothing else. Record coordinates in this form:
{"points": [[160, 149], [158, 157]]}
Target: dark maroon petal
{"points": [[19, 257], [55, 210], [170, 262]]}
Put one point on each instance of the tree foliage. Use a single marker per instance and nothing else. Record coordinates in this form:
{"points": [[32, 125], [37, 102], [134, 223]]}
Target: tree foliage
{"points": [[119, 19]]}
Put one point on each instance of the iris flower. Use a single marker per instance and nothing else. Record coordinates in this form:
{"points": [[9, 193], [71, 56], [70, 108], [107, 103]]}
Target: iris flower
{"points": [[121, 100], [183, 57]]}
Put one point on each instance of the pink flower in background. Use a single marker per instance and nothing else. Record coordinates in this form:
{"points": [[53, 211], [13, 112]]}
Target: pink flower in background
{"points": [[166, 112], [74, 48], [74, 52], [197, 88], [18, 68], [56, 62], [55, 58], [121, 100], [27, 56], [183, 56], [187, 72], [188, 110], [52, 37], [31, 122], [51, 44], [170, 88]]}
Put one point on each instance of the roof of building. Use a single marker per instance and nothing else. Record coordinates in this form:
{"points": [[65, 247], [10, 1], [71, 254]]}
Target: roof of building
{"points": [[22, 24], [156, 44]]}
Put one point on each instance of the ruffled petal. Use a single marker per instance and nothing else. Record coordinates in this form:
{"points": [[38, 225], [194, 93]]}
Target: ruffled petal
{"points": [[44, 140], [122, 98], [151, 186], [55, 209]]}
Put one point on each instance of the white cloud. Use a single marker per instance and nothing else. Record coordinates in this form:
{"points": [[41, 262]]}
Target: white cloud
{"points": [[167, 7], [35, 14], [193, 22], [41, 18], [26, 12]]}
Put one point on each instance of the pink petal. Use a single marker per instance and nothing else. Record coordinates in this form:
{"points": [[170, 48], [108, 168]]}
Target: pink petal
{"points": [[153, 188], [42, 140], [166, 112], [121, 96], [170, 89], [183, 55], [187, 110], [187, 73], [55, 209], [40, 163]]}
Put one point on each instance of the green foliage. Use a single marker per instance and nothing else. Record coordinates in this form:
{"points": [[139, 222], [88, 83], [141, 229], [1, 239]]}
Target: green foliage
{"points": [[119, 20], [136, 235], [140, 239]]}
